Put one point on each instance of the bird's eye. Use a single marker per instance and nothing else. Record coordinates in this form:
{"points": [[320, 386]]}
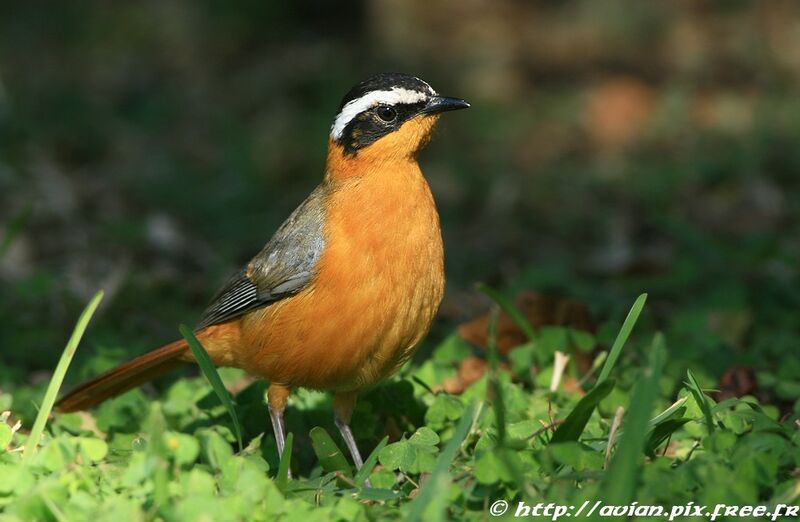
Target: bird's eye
{"points": [[386, 113]]}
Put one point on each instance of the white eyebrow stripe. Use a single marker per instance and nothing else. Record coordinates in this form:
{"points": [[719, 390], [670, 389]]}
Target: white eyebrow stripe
{"points": [[353, 108]]}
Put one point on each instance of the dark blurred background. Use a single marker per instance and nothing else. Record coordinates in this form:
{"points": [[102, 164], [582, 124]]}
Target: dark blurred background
{"points": [[613, 147]]}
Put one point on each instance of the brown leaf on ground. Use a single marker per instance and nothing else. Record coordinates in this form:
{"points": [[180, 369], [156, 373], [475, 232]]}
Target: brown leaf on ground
{"points": [[540, 310], [572, 385], [737, 381], [469, 370]]}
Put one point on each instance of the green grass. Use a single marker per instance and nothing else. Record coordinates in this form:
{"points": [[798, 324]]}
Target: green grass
{"points": [[58, 377], [622, 337], [508, 307], [701, 400], [282, 477], [620, 482], [438, 482], [330, 456], [180, 455], [211, 374]]}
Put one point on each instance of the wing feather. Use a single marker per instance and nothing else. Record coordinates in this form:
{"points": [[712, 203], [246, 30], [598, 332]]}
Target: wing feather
{"points": [[284, 266]]}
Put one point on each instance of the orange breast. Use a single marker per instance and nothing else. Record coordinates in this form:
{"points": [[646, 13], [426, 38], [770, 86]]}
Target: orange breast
{"points": [[379, 284]]}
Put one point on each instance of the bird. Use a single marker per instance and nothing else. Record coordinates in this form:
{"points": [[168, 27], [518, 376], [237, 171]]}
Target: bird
{"points": [[347, 287]]}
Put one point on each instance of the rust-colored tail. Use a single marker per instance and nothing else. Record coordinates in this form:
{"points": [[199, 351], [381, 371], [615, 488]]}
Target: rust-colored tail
{"points": [[124, 377]]}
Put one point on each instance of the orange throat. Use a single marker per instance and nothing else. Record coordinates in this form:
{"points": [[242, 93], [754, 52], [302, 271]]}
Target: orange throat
{"points": [[387, 154]]}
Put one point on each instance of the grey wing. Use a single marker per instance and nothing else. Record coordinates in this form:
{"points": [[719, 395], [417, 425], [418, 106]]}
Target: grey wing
{"points": [[284, 266]]}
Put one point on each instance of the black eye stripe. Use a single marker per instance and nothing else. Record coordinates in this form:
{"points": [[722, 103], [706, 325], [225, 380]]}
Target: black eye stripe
{"points": [[368, 126], [403, 111]]}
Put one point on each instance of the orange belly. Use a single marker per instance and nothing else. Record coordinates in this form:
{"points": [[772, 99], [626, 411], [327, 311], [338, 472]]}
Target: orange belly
{"points": [[378, 286]]}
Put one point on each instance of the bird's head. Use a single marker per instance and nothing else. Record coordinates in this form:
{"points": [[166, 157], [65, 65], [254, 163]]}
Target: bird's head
{"points": [[387, 117]]}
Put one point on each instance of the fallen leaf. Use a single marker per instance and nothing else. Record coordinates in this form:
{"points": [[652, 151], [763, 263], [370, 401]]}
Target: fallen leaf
{"points": [[737, 381], [540, 310]]}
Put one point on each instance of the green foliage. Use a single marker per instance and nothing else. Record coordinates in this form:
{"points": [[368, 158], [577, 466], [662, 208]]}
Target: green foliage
{"points": [[576, 421], [415, 455], [622, 336], [330, 456], [509, 308], [369, 464], [210, 372], [439, 480], [58, 376], [701, 400], [282, 479], [620, 483], [502, 438]]}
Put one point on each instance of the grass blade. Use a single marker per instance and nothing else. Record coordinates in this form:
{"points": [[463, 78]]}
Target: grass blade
{"points": [[439, 479], [669, 412], [330, 456], [509, 308], [661, 432], [621, 480], [622, 337], [701, 399], [210, 371], [282, 480], [366, 469], [58, 376], [494, 390], [576, 421], [494, 395]]}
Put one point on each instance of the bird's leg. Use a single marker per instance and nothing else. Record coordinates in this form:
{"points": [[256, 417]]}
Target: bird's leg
{"points": [[276, 416], [277, 396], [343, 405]]}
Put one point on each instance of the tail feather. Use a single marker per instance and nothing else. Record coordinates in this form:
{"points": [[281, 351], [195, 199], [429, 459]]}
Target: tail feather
{"points": [[124, 377]]}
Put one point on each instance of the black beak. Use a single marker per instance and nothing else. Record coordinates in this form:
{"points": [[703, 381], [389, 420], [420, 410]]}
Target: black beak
{"points": [[439, 104]]}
